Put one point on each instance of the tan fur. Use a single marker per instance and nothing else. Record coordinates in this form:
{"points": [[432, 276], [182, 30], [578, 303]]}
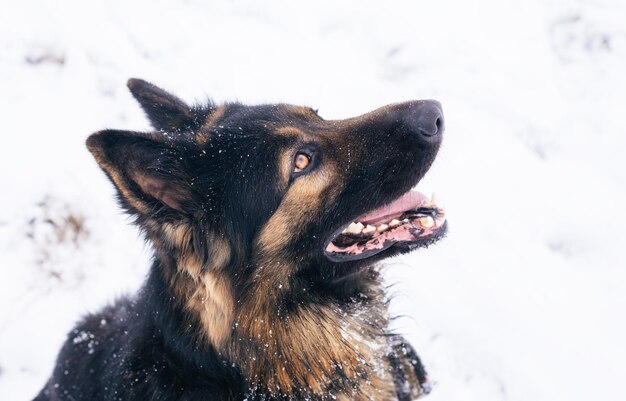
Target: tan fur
{"points": [[117, 178], [212, 302], [308, 348], [299, 112], [305, 112], [206, 292], [285, 166], [290, 132], [303, 202], [203, 135]]}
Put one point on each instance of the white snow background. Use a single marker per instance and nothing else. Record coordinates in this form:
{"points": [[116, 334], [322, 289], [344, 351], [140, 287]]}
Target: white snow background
{"points": [[526, 297]]}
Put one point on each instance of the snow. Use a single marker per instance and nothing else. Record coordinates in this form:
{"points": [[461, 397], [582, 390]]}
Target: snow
{"points": [[525, 298]]}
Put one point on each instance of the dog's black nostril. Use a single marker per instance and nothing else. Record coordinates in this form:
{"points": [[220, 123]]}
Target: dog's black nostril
{"points": [[428, 118]]}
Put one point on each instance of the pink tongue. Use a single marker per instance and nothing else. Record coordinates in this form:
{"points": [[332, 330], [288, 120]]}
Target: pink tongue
{"points": [[408, 201]]}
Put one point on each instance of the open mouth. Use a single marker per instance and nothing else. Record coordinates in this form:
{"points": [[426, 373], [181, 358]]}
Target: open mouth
{"points": [[411, 221]]}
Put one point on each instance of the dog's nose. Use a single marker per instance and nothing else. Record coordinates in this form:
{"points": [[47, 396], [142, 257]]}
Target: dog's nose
{"points": [[425, 117]]}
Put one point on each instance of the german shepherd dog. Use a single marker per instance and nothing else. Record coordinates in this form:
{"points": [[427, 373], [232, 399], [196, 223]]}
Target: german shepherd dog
{"points": [[267, 223]]}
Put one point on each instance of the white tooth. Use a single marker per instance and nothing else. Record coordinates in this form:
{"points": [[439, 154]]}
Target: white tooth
{"points": [[427, 222], [433, 199], [394, 223], [405, 220], [369, 229], [355, 228], [382, 227]]}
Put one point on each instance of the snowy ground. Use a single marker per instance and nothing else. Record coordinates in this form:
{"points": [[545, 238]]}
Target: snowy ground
{"points": [[525, 299]]}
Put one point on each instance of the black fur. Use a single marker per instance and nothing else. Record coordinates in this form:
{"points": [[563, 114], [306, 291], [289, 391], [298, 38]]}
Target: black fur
{"points": [[216, 171], [140, 349], [166, 112]]}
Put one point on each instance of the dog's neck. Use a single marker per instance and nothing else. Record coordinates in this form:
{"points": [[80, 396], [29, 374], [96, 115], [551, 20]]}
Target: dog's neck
{"points": [[311, 348]]}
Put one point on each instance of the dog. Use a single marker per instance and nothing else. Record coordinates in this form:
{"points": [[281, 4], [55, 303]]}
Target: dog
{"points": [[267, 223]]}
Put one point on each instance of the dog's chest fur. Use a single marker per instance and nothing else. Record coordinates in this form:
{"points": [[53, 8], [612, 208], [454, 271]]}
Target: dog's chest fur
{"points": [[317, 352]]}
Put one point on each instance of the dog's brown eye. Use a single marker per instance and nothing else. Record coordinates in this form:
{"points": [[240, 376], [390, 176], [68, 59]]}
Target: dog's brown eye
{"points": [[302, 162]]}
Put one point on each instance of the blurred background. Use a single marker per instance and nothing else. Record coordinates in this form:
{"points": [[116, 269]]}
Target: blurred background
{"points": [[526, 297]]}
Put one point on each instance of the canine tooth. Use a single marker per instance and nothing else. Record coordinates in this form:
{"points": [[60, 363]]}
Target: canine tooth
{"points": [[394, 223], [433, 199], [405, 220], [382, 227], [355, 228], [427, 221], [369, 229]]}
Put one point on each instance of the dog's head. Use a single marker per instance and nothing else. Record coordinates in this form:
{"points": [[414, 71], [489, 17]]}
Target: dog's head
{"points": [[276, 186]]}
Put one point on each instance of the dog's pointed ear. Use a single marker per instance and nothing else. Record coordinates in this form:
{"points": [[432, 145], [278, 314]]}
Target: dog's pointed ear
{"points": [[165, 111], [148, 171]]}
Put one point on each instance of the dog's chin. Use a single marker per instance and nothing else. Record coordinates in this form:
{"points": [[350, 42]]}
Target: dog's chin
{"points": [[409, 222]]}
